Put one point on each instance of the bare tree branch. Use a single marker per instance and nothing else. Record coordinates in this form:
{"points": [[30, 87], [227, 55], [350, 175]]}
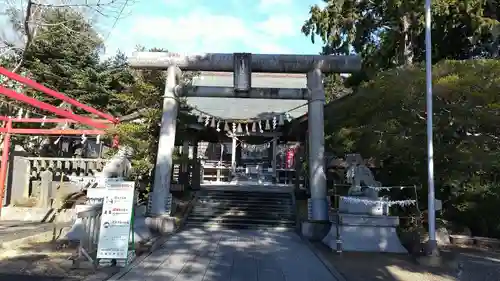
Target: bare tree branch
{"points": [[27, 18]]}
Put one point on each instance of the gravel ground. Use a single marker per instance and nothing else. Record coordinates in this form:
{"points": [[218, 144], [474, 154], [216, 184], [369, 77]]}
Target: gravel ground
{"points": [[35, 257], [460, 264], [44, 260]]}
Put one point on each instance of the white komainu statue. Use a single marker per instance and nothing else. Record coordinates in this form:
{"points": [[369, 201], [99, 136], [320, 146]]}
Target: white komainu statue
{"points": [[361, 178]]}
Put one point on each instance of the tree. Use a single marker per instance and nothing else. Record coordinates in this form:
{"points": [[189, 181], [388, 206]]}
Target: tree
{"points": [[388, 33], [144, 93], [335, 87], [69, 64], [23, 20], [385, 120]]}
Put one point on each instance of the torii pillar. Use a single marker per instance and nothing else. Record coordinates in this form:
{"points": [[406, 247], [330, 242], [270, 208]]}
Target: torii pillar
{"points": [[316, 141], [313, 65]]}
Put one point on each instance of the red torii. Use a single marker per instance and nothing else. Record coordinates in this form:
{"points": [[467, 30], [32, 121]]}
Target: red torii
{"points": [[97, 125]]}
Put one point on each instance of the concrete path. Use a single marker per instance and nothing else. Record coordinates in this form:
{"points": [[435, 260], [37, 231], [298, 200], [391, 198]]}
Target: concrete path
{"points": [[230, 255]]}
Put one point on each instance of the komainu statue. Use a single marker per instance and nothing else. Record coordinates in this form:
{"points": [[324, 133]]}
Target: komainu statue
{"points": [[361, 178]]}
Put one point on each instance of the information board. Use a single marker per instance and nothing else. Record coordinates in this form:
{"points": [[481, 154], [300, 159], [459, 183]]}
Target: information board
{"points": [[116, 220]]}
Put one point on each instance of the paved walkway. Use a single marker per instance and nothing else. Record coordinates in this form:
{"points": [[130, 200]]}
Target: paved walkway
{"points": [[231, 255]]}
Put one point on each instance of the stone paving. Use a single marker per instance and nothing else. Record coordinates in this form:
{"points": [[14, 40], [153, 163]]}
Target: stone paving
{"points": [[231, 255]]}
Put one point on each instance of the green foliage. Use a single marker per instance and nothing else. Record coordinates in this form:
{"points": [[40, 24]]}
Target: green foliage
{"points": [[142, 91], [66, 57], [334, 87], [385, 120], [388, 33]]}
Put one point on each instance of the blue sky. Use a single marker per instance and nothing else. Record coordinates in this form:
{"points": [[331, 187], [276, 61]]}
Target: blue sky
{"points": [[199, 26]]}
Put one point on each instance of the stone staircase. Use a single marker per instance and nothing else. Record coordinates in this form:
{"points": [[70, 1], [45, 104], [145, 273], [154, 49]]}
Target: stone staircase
{"points": [[243, 209]]}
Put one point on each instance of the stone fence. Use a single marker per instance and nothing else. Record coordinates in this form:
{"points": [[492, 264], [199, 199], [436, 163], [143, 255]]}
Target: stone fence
{"points": [[30, 177]]}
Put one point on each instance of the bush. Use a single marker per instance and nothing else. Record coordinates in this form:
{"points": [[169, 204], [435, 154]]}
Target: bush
{"points": [[385, 120]]}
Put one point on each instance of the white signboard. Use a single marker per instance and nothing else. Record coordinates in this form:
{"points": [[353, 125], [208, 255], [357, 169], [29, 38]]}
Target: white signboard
{"points": [[96, 195], [116, 220]]}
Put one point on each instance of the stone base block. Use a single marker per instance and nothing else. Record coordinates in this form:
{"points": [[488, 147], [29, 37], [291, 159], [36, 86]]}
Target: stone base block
{"points": [[360, 233], [315, 230], [161, 224]]}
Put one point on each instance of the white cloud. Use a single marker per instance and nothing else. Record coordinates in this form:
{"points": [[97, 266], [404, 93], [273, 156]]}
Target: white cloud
{"points": [[273, 5], [201, 30], [280, 26]]}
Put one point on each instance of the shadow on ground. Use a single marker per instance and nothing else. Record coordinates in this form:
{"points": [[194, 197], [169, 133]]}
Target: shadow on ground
{"points": [[236, 255], [459, 264]]}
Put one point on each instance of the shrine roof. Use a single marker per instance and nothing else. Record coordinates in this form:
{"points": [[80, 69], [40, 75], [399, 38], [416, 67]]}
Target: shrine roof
{"points": [[236, 108], [246, 108]]}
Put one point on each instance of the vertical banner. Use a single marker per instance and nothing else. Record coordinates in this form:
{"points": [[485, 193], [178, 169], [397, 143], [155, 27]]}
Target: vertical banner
{"points": [[116, 220], [290, 158]]}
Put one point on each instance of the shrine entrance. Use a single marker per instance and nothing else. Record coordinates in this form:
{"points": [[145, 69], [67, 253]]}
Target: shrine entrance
{"points": [[260, 78]]}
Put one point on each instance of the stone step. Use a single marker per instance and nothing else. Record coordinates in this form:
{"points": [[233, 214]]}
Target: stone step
{"points": [[251, 199], [255, 215], [239, 201], [248, 209], [243, 209], [239, 226], [247, 193], [236, 220], [271, 208]]}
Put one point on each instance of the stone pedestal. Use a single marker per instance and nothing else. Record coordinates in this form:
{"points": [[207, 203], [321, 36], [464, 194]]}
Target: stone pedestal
{"points": [[161, 225], [365, 228]]}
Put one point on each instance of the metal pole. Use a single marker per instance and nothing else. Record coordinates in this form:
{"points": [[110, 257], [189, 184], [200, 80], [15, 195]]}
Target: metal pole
{"points": [[5, 161], [432, 246]]}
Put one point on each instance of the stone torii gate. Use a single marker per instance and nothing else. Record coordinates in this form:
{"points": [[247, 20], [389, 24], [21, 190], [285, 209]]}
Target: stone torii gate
{"points": [[243, 64]]}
